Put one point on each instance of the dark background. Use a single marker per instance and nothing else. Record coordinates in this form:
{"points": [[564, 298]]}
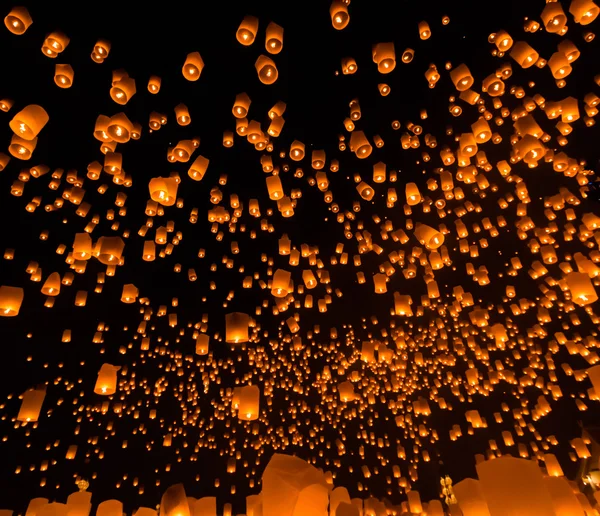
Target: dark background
{"points": [[147, 41]]}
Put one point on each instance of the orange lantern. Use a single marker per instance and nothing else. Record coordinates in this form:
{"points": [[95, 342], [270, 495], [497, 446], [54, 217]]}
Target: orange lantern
{"points": [[21, 148], [339, 14], [274, 38], [122, 91], [63, 75], [236, 327], [192, 68], [106, 383], [241, 105], [266, 69], [32, 404], [247, 30], [461, 77], [28, 122], [154, 84], [11, 299], [18, 20], [584, 11], [163, 190]]}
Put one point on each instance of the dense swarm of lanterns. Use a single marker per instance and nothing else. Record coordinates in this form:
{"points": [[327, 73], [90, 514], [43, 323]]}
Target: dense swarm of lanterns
{"points": [[340, 387]]}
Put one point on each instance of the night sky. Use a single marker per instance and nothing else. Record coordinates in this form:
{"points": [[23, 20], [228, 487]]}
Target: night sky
{"points": [[120, 447]]}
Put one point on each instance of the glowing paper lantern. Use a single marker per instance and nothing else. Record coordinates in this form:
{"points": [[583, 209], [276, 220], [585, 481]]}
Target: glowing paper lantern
{"points": [[564, 500], [428, 236], [11, 299], [514, 487], [584, 11], [266, 70], [28, 122], [63, 75], [31, 405], [163, 190], [274, 38], [249, 401], [236, 327], [110, 508], [109, 250], [193, 66], [106, 383], [247, 30], [18, 20], [291, 486], [470, 498], [339, 14], [582, 289]]}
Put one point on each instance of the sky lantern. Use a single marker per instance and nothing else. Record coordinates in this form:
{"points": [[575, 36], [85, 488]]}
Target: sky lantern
{"points": [[109, 250], [28, 122], [63, 75], [274, 38], [266, 70], [236, 326], [163, 190], [106, 383], [249, 400], [339, 14], [584, 11], [31, 405], [247, 30], [18, 20], [193, 66]]}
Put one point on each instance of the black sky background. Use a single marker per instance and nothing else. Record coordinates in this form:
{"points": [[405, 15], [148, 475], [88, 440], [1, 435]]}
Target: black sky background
{"points": [[154, 40]]}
